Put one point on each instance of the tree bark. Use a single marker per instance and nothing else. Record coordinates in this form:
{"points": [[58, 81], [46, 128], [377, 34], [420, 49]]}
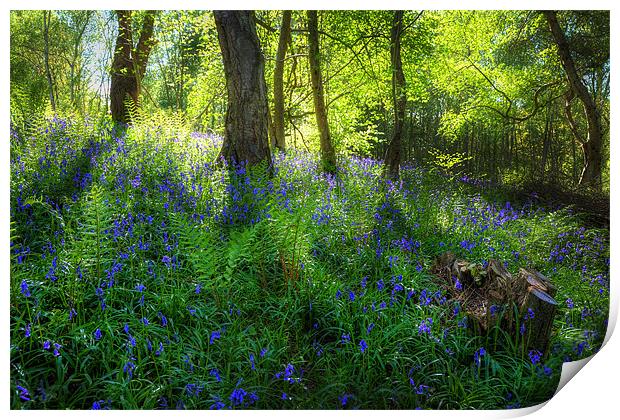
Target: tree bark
{"points": [[399, 97], [278, 81], [47, 17], [246, 133], [328, 155], [129, 65], [591, 173]]}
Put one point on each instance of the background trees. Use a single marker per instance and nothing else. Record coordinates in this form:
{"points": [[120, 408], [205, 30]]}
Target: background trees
{"points": [[488, 93]]}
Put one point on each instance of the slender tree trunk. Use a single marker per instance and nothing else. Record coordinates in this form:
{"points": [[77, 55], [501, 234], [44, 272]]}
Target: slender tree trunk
{"points": [[129, 65], [278, 81], [123, 83], [591, 147], [399, 97], [47, 17], [328, 155], [246, 134]]}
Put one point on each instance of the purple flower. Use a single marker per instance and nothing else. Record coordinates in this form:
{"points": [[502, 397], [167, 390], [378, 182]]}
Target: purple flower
{"points": [[215, 373], [344, 399], [425, 326], [214, 336], [345, 338], [457, 284], [57, 347], [166, 260], [218, 405], [363, 346], [129, 368], [351, 295], [97, 334], [535, 356], [569, 303], [46, 345], [24, 395], [27, 330], [530, 314], [478, 355], [25, 290], [237, 396]]}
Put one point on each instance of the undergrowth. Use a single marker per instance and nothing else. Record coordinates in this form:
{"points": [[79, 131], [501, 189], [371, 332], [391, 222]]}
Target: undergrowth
{"points": [[145, 274]]}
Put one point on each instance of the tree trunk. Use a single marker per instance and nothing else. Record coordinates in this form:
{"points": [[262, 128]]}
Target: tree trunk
{"points": [[328, 155], [278, 81], [129, 65], [246, 133], [123, 83], [399, 97], [591, 173], [47, 17]]}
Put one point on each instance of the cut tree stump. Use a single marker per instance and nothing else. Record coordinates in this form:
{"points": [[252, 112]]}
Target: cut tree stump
{"points": [[489, 295], [537, 314]]}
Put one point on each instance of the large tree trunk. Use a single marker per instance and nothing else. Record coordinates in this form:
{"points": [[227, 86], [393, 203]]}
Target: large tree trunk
{"points": [[399, 97], [328, 155], [129, 65], [278, 80], [246, 133], [47, 17], [591, 147]]}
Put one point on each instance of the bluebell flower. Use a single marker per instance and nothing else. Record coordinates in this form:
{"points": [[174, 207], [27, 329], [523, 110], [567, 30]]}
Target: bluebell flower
{"points": [[535, 356], [425, 326], [129, 368], [218, 405], [569, 303], [345, 338], [215, 373], [478, 355], [363, 346], [214, 336], [24, 289], [351, 295], [24, 394], [46, 345], [27, 330], [57, 347], [237, 396], [97, 334]]}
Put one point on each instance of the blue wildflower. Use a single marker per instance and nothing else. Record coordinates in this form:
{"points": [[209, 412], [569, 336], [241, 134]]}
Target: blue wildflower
{"points": [[237, 396], [214, 336], [215, 373], [24, 394], [363, 346], [535, 356], [24, 288], [97, 334], [478, 355]]}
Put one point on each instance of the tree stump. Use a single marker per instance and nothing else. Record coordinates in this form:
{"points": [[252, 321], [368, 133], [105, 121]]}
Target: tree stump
{"points": [[523, 305], [537, 308]]}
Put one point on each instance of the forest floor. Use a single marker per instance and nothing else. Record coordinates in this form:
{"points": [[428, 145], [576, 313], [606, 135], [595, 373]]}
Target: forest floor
{"points": [[144, 275]]}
